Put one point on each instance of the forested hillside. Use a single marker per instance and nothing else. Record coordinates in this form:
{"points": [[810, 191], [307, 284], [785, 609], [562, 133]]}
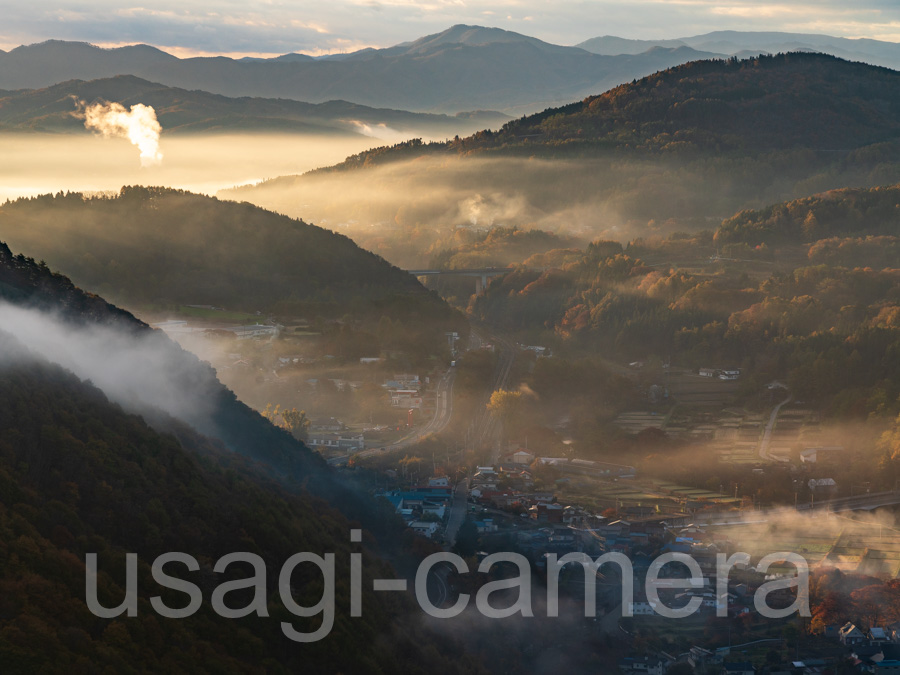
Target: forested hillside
{"points": [[676, 150], [78, 475], [163, 247], [271, 451], [837, 213], [817, 308], [754, 105]]}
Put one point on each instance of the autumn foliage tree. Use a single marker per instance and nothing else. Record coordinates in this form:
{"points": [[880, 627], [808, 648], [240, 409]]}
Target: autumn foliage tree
{"points": [[508, 408]]}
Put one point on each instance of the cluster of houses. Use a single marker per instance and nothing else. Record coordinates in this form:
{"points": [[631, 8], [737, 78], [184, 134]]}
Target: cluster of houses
{"points": [[586, 467], [423, 507], [876, 650], [509, 484]]}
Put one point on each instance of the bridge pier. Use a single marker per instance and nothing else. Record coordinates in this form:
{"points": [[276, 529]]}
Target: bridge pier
{"points": [[481, 275]]}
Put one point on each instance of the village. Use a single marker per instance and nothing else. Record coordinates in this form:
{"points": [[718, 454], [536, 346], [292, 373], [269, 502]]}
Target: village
{"points": [[553, 504], [537, 506]]}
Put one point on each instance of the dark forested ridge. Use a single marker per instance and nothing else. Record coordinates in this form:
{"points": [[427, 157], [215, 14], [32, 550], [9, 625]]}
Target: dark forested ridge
{"points": [[755, 105], [181, 110], [271, 451], [78, 475], [158, 246]]}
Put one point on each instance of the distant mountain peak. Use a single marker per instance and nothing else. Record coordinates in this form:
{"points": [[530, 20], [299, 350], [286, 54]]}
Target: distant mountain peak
{"points": [[475, 36]]}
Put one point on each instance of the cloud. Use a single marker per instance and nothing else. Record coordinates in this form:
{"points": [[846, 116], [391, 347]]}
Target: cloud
{"points": [[144, 373], [237, 28]]}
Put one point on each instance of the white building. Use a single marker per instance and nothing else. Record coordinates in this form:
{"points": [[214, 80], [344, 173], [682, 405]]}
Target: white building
{"points": [[522, 457], [406, 398], [426, 529]]}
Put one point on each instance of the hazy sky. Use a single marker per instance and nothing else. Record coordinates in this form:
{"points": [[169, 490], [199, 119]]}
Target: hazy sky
{"points": [[235, 27]]}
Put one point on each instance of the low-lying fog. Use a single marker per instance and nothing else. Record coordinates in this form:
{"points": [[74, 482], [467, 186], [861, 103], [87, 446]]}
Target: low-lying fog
{"points": [[387, 208], [40, 163]]}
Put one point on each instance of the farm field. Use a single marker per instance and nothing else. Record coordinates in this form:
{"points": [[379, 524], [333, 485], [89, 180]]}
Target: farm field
{"points": [[826, 541]]}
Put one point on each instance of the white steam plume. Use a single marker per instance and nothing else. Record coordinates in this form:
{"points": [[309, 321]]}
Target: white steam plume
{"points": [[139, 125], [380, 131]]}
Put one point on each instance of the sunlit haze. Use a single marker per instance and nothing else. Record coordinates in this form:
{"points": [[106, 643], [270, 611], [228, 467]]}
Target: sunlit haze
{"points": [[46, 163]]}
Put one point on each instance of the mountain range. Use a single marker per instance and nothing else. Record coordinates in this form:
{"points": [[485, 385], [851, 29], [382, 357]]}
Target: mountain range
{"points": [[179, 110], [742, 43], [461, 68]]}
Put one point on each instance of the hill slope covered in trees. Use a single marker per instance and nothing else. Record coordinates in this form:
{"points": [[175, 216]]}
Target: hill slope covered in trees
{"points": [[180, 110], [806, 292], [674, 150], [754, 105], [79, 475], [837, 213], [163, 247]]}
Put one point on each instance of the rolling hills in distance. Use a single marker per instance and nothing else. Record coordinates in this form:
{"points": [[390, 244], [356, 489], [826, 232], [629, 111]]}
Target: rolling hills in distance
{"points": [[459, 70], [750, 43], [181, 111], [462, 68]]}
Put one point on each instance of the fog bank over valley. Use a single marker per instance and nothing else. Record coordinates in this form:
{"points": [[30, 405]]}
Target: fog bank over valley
{"points": [[48, 163]]}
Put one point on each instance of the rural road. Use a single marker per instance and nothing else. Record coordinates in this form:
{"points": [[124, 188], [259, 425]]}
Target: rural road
{"points": [[767, 434], [443, 412], [457, 511]]}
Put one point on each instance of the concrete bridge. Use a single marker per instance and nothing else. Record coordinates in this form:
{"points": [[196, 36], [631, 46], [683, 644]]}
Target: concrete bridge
{"points": [[481, 275]]}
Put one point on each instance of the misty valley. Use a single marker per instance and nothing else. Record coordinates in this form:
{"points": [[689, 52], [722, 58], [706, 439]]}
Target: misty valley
{"points": [[474, 354]]}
